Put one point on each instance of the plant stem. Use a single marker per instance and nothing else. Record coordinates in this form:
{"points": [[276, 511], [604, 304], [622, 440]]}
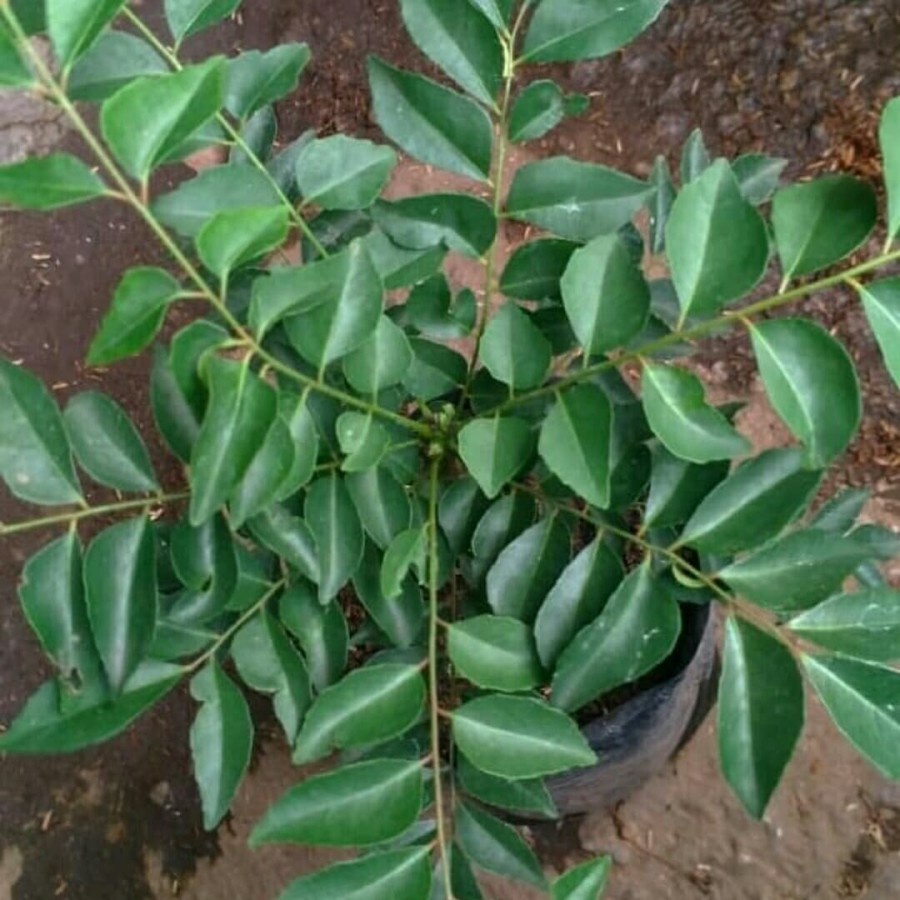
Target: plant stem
{"points": [[698, 330], [90, 512], [233, 134], [433, 680]]}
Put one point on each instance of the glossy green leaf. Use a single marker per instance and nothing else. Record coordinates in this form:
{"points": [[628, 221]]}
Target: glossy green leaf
{"points": [[74, 25], [435, 371], [758, 176], [392, 875], [677, 486], [120, 588], [259, 134], [321, 631], [176, 420], [865, 624], [753, 504], [760, 713], [570, 30], [584, 882], [268, 662], [354, 806], [362, 439], [430, 309], [221, 741], [495, 450], [106, 443], [820, 222], [514, 350], [430, 122], [382, 503], [534, 270], [381, 360], [254, 573], [811, 382], [861, 699], [518, 737], [575, 442], [241, 410], [538, 109], [460, 41], [660, 203], [523, 795], [49, 182], [695, 159], [881, 301], [332, 518], [680, 417], [495, 652], [716, 242], [574, 200], [295, 412], [840, 512], [14, 72], [233, 238], [187, 17], [504, 521], [636, 631], [576, 599], [605, 295], [461, 506], [146, 120], [35, 461], [368, 706], [406, 551], [261, 484], [527, 569], [289, 537], [115, 59], [889, 135], [399, 267], [256, 79]]}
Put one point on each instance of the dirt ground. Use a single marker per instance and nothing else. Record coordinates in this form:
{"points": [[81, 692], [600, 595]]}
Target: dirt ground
{"points": [[800, 78]]}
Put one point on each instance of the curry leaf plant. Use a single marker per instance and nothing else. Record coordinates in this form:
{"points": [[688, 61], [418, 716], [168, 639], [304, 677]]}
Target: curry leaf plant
{"points": [[461, 485]]}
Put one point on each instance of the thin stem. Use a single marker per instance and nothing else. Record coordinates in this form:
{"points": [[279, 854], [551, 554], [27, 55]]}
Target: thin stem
{"points": [[172, 59], [433, 680], [107, 509], [698, 330]]}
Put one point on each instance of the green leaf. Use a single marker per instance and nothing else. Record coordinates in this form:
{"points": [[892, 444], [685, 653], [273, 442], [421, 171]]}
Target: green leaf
{"points": [[357, 805], [677, 487], [574, 200], [865, 624], [106, 443], [267, 661], [116, 59], [257, 79], [503, 522], [796, 572], [190, 206], [605, 295], [288, 537], [14, 73], [393, 875], [321, 631], [534, 270], [339, 538], [35, 461], [758, 176], [682, 419], [527, 568], [810, 380], [861, 699], [146, 120], [695, 159], [294, 410], [235, 237], [460, 41], [820, 222], [74, 25], [362, 439], [496, 847], [262, 482], [187, 17], [461, 507], [120, 587], [430, 309], [760, 713], [523, 795], [716, 242], [175, 418], [576, 599], [399, 267], [584, 882], [518, 737], [431, 123], [368, 706], [49, 182], [464, 223], [538, 109], [636, 631], [259, 134], [514, 350], [339, 172], [495, 450], [406, 551], [382, 503], [840, 512], [221, 741], [241, 410], [436, 370], [136, 314], [571, 30], [881, 301], [345, 320], [753, 504], [575, 442], [495, 652], [661, 203], [889, 134], [381, 360], [45, 726]]}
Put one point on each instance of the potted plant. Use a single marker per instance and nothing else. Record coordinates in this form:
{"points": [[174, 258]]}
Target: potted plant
{"points": [[446, 568]]}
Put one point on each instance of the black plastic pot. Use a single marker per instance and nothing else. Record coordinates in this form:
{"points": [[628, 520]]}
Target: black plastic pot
{"points": [[636, 739]]}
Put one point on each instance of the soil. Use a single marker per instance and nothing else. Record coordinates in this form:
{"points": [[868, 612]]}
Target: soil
{"points": [[800, 78]]}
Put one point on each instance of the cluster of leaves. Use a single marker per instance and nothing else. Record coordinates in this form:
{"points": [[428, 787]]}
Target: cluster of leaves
{"points": [[473, 515]]}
